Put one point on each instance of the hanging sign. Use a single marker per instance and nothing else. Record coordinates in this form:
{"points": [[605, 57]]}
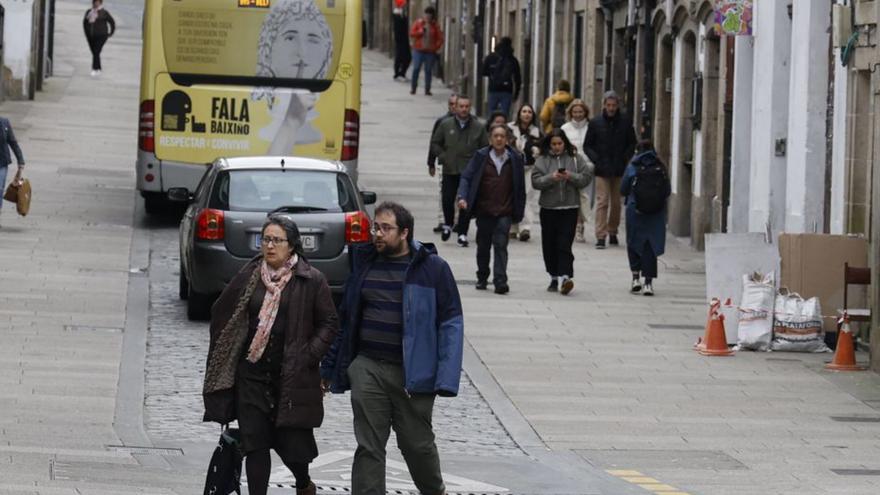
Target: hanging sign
{"points": [[733, 17]]}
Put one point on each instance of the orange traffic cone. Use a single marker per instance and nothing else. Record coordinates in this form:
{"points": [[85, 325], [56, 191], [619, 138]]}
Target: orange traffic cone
{"points": [[845, 355], [715, 340]]}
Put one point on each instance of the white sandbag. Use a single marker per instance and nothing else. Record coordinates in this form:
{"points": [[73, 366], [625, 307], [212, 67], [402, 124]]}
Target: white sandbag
{"points": [[797, 325], [756, 312]]}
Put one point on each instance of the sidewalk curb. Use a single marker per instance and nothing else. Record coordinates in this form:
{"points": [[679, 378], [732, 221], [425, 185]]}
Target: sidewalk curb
{"points": [[128, 419]]}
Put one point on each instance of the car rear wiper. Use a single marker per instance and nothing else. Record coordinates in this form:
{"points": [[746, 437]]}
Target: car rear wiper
{"points": [[295, 209]]}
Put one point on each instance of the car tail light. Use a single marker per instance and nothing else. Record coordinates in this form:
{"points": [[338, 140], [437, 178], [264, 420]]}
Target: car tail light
{"points": [[146, 139], [209, 225], [357, 227], [351, 135]]}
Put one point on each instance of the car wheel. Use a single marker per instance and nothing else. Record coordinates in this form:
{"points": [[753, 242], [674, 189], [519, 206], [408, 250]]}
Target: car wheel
{"points": [[198, 307], [183, 285]]}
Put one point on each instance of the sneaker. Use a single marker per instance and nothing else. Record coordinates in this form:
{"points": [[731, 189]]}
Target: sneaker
{"points": [[649, 290], [463, 241], [502, 289], [439, 228], [579, 234], [554, 285], [412, 91], [445, 233], [94, 73], [600, 244], [636, 286], [514, 234], [482, 285], [524, 235], [566, 286], [612, 240], [429, 93]]}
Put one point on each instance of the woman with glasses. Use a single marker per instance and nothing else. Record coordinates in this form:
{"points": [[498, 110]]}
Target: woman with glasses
{"points": [[270, 328]]}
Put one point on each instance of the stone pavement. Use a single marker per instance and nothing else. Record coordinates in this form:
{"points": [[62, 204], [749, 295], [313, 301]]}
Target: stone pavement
{"points": [[65, 272], [610, 377]]}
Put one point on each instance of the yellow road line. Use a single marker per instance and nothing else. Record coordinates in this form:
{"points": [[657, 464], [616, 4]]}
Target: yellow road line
{"points": [[646, 482]]}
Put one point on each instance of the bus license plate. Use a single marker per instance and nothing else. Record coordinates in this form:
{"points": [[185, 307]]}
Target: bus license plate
{"points": [[309, 242]]}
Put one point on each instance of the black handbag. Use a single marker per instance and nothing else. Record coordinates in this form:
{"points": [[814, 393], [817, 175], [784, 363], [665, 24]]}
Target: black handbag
{"points": [[224, 471]]}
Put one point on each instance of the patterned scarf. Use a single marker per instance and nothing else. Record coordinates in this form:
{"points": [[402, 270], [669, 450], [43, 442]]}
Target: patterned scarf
{"points": [[275, 282], [93, 14]]}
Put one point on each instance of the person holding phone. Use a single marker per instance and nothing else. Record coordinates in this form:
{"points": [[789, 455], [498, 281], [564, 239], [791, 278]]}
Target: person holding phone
{"points": [[559, 174]]}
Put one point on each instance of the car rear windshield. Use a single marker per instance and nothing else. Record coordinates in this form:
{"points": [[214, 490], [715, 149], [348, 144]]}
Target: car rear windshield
{"points": [[266, 190]]}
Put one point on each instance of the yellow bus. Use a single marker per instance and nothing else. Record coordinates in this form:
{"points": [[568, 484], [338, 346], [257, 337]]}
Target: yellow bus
{"points": [[224, 78]]}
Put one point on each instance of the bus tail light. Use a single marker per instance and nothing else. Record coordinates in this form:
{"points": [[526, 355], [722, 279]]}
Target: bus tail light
{"points": [[209, 225], [146, 139], [357, 227], [351, 135]]}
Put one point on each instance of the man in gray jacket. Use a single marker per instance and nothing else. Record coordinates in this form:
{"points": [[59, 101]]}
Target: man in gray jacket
{"points": [[7, 141], [454, 142]]}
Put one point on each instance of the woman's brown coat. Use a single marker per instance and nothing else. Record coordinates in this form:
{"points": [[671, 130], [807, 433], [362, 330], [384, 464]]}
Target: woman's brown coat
{"points": [[312, 327]]}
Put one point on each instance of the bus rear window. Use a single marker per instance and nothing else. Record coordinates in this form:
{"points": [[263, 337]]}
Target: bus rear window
{"points": [[276, 43], [265, 190]]}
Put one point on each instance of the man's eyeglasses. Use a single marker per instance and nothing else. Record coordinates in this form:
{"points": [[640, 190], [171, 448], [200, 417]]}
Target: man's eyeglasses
{"points": [[266, 240], [385, 228]]}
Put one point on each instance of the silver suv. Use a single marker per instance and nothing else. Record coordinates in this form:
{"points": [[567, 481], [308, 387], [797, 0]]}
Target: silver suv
{"points": [[220, 230]]}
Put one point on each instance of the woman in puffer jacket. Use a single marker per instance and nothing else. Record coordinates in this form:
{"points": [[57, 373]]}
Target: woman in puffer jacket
{"points": [[575, 128], [560, 174]]}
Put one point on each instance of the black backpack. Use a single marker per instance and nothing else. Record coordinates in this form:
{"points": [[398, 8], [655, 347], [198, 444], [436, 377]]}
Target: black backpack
{"points": [[224, 471], [650, 187], [501, 73], [557, 119]]}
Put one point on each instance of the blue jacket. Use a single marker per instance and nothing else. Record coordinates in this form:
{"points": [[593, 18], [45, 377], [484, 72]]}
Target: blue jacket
{"points": [[469, 186], [7, 140], [433, 325], [642, 229]]}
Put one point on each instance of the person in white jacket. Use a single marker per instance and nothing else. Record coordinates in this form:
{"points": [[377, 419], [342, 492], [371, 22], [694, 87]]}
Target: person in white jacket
{"points": [[527, 136], [575, 129]]}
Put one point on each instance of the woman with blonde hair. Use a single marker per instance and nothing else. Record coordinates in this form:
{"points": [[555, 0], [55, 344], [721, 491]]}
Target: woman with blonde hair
{"points": [[575, 128]]}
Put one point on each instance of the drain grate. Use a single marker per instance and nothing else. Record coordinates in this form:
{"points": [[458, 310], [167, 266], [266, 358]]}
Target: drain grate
{"points": [[133, 450], [674, 326], [856, 419], [856, 472]]}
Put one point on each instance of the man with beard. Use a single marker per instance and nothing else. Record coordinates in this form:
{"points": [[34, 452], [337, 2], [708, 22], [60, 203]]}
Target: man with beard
{"points": [[396, 354]]}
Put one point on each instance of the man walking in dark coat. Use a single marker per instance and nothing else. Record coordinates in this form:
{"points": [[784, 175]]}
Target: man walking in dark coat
{"points": [[493, 190], [7, 142], [505, 77], [396, 354], [432, 158], [609, 144], [402, 50], [454, 142]]}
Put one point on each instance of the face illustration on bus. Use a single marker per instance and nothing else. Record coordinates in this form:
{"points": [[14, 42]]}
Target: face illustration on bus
{"points": [[295, 43], [302, 50]]}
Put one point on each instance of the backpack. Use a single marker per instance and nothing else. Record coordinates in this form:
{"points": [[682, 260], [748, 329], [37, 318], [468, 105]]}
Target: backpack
{"points": [[224, 470], [501, 73], [557, 119], [650, 187]]}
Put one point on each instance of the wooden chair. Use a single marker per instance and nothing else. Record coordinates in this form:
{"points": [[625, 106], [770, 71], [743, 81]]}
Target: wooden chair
{"points": [[854, 276]]}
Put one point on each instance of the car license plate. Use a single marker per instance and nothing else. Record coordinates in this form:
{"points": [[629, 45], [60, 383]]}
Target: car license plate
{"points": [[309, 242]]}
